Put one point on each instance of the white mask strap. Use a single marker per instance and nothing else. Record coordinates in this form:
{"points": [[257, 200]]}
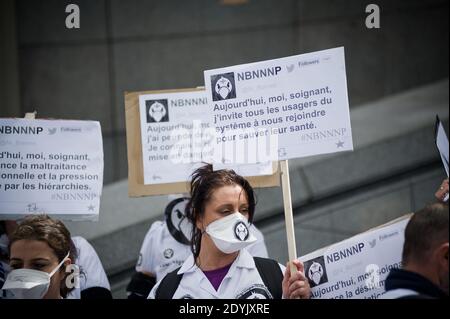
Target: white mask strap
{"points": [[59, 265]]}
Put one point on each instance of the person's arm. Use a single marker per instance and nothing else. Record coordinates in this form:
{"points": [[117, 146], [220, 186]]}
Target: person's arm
{"points": [[94, 283], [442, 193], [144, 279], [96, 293], [140, 285], [296, 286]]}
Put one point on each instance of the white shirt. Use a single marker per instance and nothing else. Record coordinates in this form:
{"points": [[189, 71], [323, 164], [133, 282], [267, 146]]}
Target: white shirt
{"points": [[92, 273], [241, 282], [161, 253]]}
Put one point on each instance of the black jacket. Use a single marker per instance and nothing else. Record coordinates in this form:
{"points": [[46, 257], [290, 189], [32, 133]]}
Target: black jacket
{"points": [[403, 279]]}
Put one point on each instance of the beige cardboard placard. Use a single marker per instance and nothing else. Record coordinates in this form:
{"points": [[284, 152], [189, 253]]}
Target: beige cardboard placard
{"points": [[136, 186]]}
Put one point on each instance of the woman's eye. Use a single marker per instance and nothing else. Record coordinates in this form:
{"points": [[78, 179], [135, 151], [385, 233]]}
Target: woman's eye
{"points": [[15, 266], [38, 266]]}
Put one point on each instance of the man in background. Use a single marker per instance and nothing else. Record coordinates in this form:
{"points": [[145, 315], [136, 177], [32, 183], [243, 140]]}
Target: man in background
{"points": [[424, 274]]}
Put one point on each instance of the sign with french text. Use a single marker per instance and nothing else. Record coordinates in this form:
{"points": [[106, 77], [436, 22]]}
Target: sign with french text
{"points": [[281, 109], [50, 166]]}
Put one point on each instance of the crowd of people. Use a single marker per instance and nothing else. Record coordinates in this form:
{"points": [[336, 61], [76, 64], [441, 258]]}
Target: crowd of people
{"points": [[207, 247]]}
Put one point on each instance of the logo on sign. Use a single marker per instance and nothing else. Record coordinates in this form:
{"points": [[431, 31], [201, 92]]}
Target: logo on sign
{"points": [[316, 271], [157, 111], [224, 87]]}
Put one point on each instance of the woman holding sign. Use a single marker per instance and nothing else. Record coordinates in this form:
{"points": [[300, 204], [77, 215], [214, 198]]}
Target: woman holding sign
{"points": [[221, 208]]}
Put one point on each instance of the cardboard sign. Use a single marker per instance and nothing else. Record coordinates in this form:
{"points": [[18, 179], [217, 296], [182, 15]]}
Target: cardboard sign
{"points": [[168, 137], [297, 105], [50, 166], [356, 268]]}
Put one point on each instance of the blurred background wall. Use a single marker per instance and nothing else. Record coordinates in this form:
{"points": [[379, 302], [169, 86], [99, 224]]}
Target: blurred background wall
{"points": [[146, 44], [397, 81]]}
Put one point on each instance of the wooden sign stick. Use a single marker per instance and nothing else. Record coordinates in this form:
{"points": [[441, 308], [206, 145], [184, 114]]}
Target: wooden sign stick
{"points": [[288, 215]]}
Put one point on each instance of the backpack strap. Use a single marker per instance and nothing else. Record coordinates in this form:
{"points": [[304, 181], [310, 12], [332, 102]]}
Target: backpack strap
{"points": [[271, 275], [169, 284]]}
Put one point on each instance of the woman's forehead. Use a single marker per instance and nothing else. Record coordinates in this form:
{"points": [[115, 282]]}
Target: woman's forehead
{"points": [[229, 194], [31, 249]]}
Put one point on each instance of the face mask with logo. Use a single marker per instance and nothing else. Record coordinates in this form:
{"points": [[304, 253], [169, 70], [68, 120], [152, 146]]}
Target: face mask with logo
{"points": [[230, 233], [29, 283]]}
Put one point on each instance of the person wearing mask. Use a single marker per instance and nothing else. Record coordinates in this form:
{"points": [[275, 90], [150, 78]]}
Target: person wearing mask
{"points": [[424, 273], [166, 246], [40, 251], [88, 278], [220, 210]]}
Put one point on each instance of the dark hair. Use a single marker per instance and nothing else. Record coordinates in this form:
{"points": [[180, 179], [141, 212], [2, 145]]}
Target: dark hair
{"points": [[51, 231], [426, 229], [204, 182]]}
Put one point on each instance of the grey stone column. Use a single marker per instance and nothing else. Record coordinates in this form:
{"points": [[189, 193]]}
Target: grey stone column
{"points": [[9, 67]]}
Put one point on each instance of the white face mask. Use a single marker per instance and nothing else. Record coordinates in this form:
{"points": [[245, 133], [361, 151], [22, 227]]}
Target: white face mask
{"points": [[29, 283], [230, 233]]}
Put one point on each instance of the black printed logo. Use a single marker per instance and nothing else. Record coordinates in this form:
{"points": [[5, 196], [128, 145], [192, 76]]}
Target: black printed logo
{"points": [[255, 292], [241, 231], [157, 111], [179, 226], [315, 271], [223, 86], [168, 253]]}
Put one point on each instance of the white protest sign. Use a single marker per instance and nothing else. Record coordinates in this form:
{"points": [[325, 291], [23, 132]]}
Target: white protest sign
{"points": [[356, 268], [299, 101], [50, 166], [442, 143], [177, 136]]}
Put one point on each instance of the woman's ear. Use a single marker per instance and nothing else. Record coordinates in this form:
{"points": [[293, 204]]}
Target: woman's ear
{"points": [[443, 255], [199, 223], [66, 263]]}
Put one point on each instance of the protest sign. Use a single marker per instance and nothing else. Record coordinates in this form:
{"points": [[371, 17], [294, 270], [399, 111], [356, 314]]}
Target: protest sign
{"points": [[281, 109], [442, 143], [168, 137], [356, 268], [50, 166], [300, 101]]}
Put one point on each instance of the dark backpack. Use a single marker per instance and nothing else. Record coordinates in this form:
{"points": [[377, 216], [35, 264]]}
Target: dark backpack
{"points": [[268, 269]]}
